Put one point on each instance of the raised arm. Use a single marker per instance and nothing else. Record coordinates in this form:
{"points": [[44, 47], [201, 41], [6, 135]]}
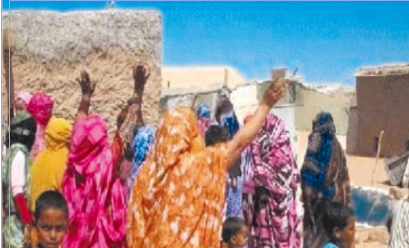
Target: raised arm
{"points": [[245, 135], [133, 112], [140, 76], [87, 89]]}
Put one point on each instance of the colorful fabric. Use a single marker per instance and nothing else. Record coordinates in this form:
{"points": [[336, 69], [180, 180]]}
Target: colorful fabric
{"points": [[324, 175], [40, 107], [16, 228], [203, 119], [177, 198], [234, 203], [400, 225], [48, 168], [270, 189], [142, 143], [96, 199], [330, 245]]}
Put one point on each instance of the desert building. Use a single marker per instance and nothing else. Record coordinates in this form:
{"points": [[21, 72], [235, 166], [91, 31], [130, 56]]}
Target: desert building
{"points": [[382, 104], [185, 77]]}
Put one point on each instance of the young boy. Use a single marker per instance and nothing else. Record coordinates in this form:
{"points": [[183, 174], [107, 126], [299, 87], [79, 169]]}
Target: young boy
{"points": [[51, 220], [339, 224], [234, 234]]}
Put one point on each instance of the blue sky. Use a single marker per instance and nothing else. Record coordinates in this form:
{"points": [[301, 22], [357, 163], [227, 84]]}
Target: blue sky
{"points": [[327, 41]]}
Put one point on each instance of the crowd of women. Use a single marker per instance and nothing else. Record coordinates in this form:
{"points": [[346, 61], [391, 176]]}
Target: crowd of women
{"points": [[173, 184]]}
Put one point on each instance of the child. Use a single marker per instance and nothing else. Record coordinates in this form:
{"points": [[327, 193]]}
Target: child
{"points": [[216, 134], [339, 224], [50, 220], [234, 234]]}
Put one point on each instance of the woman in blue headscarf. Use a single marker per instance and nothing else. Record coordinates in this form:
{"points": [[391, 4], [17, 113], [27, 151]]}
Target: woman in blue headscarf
{"points": [[325, 178]]}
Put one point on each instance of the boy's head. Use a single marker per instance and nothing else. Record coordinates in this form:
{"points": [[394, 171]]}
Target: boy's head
{"points": [[216, 134], [234, 232], [339, 224], [51, 219]]}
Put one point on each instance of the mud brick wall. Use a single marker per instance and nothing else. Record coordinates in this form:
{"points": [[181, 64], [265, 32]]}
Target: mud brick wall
{"points": [[51, 48]]}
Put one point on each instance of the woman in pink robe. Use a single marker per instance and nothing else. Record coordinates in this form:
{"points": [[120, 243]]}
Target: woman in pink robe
{"points": [[92, 186], [269, 190], [95, 197], [94, 193]]}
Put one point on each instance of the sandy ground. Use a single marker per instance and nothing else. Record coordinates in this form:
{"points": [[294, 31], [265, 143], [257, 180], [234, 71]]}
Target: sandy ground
{"points": [[360, 171]]}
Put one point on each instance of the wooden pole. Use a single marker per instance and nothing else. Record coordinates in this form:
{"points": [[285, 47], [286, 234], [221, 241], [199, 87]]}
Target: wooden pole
{"points": [[377, 158], [8, 74]]}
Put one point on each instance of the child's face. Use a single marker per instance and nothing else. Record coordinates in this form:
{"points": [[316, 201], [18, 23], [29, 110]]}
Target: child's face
{"points": [[240, 239], [51, 227], [348, 234]]}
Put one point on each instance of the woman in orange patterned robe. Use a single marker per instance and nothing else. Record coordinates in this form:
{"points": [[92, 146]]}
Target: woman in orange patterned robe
{"points": [[178, 197]]}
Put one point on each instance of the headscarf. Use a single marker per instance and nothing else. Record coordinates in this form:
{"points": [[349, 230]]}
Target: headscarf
{"points": [[324, 173], [179, 173], [322, 145], [226, 116], [22, 130], [40, 107], [272, 163], [142, 143], [203, 118], [24, 96], [48, 168], [96, 199]]}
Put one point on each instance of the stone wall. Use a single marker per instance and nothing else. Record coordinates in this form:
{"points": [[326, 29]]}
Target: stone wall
{"points": [[52, 47], [352, 133], [382, 104]]}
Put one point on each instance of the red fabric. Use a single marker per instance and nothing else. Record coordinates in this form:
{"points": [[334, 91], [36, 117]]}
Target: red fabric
{"points": [[117, 149], [22, 208]]}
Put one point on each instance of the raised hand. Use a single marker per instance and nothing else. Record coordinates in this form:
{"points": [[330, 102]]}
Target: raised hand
{"points": [[275, 92], [87, 87], [140, 76]]}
